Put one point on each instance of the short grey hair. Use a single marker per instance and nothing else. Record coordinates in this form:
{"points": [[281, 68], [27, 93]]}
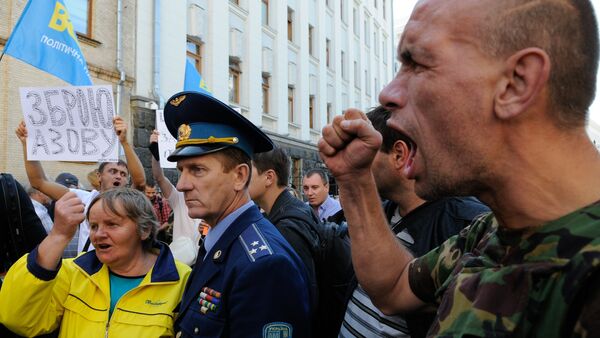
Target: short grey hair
{"points": [[135, 206]]}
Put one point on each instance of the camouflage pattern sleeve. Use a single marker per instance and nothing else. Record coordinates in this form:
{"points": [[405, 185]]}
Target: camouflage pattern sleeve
{"points": [[588, 322], [429, 273]]}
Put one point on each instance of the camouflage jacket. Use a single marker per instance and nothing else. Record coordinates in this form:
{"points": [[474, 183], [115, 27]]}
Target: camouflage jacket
{"points": [[493, 282]]}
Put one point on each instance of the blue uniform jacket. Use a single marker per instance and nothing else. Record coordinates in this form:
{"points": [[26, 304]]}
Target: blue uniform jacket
{"points": [[251, 284]]}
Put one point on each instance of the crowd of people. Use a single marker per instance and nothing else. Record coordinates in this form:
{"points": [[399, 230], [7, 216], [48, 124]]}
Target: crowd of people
{"points": [[468, 205]]}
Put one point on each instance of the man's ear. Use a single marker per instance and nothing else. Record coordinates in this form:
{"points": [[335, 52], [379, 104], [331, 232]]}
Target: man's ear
{"points": [[241, 174], [526, 75], [399, 154], [271, 177]]}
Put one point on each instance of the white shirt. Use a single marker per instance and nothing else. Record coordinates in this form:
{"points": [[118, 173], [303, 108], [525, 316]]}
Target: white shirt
{"points": [[42, 213], [84, 228]]}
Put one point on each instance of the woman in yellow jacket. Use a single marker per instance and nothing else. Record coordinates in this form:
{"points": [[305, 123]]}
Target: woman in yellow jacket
{"points": [[129, 286]]}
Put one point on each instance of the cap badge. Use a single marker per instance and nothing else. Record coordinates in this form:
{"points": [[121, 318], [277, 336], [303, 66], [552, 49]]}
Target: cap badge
{"points": [[176, 101], [184, 132]]}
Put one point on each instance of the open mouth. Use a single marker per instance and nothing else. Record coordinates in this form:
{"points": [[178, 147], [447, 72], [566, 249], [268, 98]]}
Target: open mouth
{"points": [[117, 184], [102, 246]]}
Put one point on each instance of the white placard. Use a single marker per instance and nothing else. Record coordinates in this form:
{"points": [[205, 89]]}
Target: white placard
{"points": [[70, 123], [166, 142]]}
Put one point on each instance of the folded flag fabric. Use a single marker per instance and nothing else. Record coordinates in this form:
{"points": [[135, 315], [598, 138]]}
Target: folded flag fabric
{"points": [[193, 80]]}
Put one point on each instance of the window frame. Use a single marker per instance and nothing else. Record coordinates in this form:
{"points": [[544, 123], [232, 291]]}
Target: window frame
{"points": [[196, 55], [328, 62], [311, 111], [235, 73], [291, 99], [290, 25], [89, 20], [265, 21], [266, 87]]}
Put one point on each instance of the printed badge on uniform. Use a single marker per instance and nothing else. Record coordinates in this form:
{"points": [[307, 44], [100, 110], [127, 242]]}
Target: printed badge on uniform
{"points": [[277, 330]]}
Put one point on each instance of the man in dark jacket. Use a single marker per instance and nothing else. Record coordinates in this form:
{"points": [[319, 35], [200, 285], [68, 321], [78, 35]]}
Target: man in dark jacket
{"points": [[299, 226], [21, 229], [268, 189]]}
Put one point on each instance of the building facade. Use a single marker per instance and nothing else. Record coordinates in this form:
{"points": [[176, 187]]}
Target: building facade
{"points": [[288, 66]]}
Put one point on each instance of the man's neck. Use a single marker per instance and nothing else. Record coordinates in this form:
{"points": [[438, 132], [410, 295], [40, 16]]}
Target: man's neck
{"points": [[406, 200], [238, 201], [268, 199], [537, 186]]}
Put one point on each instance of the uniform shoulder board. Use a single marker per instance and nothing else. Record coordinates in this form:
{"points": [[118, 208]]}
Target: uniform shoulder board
{"points": [[254, 243]]}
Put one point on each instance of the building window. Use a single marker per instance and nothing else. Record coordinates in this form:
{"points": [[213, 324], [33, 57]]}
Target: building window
{"points": [[375, 3], [383, 7], [356, 75], [296, 173], [236, 2], [290, 25], [311, 111], [384, 48], [367, 31], [329, 112], [375, 43], [343, 64], [327, 52], [328, 3], [355, 21], [343, 11], [265, 93], [311, 40], [194, 54], [80, 13], [234, 81], [291, 104], [265, 12], [367, 86]]}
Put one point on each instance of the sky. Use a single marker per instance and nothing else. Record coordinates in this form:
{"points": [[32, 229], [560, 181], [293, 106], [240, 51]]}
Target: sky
{"points": [[403, 8]]}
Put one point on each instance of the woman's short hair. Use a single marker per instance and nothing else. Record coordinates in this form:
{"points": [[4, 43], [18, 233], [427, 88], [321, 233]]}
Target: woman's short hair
{"points": [[133, 205]]}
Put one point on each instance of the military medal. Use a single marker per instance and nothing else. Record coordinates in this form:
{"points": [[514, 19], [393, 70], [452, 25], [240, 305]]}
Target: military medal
{"points": [[209, 300]]}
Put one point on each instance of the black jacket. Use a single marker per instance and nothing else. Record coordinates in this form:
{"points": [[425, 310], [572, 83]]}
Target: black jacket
{"points": [[20, 228], [296, 222]]}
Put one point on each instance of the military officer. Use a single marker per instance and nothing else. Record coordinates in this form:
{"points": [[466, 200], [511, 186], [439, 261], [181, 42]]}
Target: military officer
{"points": [[247, 281]]}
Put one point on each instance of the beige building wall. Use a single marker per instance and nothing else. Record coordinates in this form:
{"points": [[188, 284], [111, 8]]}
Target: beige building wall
{"points": [[100, 53]]}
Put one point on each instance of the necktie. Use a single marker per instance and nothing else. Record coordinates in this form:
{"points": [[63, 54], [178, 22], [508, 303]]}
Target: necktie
{"points": [[201, 250]]}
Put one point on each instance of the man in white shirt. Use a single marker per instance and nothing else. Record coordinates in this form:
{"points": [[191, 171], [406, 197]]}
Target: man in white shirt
{"points": [[40, 201], [185, 229]]}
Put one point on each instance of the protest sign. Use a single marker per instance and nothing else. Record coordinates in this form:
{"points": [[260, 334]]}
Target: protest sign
{"points": [[70, 123], [166, 142]]}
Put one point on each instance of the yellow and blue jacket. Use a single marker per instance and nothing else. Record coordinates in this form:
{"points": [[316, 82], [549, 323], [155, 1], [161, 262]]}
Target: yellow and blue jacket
{"points": [[34, 300]]}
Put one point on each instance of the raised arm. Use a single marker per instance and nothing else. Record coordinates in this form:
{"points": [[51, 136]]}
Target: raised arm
{"points": [[157, 172], [136, 170], [35, 172], [68, 215], [348, 147]]}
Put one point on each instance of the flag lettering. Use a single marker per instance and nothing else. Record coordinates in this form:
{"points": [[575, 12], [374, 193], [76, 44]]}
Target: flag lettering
{"points": [[61, 21]]}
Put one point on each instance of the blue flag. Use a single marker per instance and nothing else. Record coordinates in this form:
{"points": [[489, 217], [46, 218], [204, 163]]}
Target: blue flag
{"points": [[193, 80], [44, 38]]}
